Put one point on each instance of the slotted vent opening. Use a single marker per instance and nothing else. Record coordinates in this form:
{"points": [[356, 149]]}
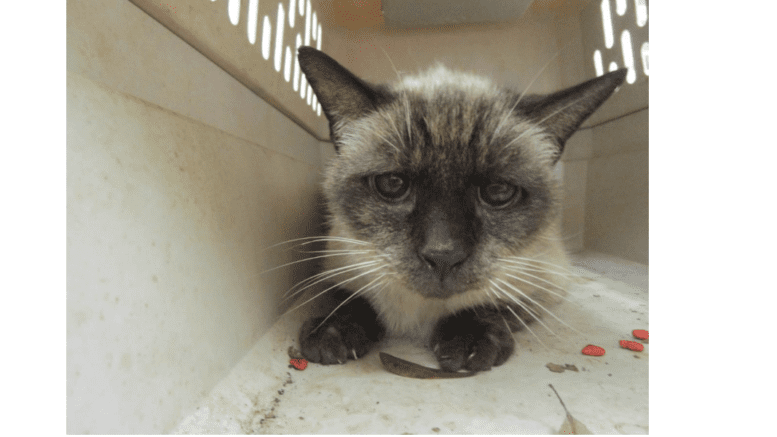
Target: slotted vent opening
{"points": [[624, 38]]}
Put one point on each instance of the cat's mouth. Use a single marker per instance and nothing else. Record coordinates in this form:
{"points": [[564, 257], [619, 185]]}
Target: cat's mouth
{"points": [[430, 283]]}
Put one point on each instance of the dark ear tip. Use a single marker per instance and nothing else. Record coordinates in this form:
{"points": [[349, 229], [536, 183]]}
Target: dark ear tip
{"points": [[307, 51], [619, 75]]}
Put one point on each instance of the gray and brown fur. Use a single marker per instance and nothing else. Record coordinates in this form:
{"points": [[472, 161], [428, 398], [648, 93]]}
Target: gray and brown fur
{"points": [[441, 263]]}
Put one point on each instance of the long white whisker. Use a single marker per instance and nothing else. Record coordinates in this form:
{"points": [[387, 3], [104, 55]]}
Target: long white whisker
{"points": [[525, 307], [530, 330], [530, 268], [317, 239], [335, 286], [536, 303], [328, 275], [353, 296], [538, 286], [531, 260], [525, 325], [346, 251], [524, 270], [302, 261]]}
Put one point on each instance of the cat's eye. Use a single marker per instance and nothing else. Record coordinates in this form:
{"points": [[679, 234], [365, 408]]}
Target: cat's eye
{"points": [[391, 186], [498, 194]]}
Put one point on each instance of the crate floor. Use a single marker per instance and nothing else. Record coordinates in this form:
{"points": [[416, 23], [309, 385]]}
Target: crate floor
{"points": [[608, 394]]}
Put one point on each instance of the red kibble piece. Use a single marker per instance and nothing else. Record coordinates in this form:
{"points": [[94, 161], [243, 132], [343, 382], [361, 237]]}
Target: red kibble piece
{"points": [[594, 351], [632, 345], [299, 363], [640, 334]]}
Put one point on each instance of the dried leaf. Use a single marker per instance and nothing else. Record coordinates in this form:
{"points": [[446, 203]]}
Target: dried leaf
{"points": [[573, 426], [570, 425], [401, 367]]}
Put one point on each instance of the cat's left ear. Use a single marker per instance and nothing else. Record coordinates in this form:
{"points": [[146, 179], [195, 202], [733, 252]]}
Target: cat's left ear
{"points": [[562, 112], [343, 96]]}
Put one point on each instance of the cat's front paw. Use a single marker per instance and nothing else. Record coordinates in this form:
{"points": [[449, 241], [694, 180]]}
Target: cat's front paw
{"points": [[335, 341], [468, 341]]}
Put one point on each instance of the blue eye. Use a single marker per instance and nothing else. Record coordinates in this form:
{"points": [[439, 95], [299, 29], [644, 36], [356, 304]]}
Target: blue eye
{"points": [[390, 186]]}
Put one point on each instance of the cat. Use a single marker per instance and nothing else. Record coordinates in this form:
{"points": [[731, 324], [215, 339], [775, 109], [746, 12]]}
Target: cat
{"points": [[443, 211]]}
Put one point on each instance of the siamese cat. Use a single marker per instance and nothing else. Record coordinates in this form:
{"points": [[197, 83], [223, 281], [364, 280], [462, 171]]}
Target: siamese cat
{"points": [[443, 211]]}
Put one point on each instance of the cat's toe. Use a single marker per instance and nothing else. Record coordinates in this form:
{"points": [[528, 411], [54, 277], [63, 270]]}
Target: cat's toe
{"points": [[334, 341], [489, 351], [322, 344], [451, 354]]}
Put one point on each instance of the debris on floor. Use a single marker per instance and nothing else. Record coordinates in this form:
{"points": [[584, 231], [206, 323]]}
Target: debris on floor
{"points": [[558, 368]]}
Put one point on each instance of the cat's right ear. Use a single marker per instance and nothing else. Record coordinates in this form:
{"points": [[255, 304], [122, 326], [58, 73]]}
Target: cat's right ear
{"points": [[343, 96]]}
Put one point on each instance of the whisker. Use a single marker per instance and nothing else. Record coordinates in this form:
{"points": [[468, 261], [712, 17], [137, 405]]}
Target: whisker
{"points": [[538, 286], [335, 286], [528, 261], [328, 275], [530, 330], [353, 296], [536, 303], [523, 270], [346, 251], [561, 238], [525, 307], [525, 325], [320, 238], [301, 261]]}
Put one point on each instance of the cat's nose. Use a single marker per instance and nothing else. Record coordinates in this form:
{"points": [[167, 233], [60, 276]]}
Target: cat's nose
{"points": [[443, 261]]}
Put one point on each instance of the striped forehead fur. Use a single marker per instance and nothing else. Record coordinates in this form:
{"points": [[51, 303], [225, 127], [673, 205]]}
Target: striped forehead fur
{"points": [[440, 115]]}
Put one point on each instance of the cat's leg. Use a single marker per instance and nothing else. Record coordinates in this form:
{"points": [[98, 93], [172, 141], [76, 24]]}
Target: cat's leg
{"points": [[348, 333], [473, 339]]}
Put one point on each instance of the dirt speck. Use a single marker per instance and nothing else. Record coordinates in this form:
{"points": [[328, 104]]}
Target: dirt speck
{"points": [[435, 429]]}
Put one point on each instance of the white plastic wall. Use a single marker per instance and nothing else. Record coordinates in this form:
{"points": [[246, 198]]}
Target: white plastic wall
{"points": [[179, 177]]}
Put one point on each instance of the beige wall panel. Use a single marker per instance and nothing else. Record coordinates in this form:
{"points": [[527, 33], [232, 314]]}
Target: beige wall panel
{"points": [[616, 210], [167, 219], [208, 27], [575, 175], [115, 43]]}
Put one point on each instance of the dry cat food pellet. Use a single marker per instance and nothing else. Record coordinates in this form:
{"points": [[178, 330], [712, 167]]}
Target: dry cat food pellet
{"points": [[632, 345], [594, 351], [640, 334], [299, 363]]}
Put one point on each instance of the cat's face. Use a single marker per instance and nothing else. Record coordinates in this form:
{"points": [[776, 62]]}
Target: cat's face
{"points": [[444, 178], [444, 174]]}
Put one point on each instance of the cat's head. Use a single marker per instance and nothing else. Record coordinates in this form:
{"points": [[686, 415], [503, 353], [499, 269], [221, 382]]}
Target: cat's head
{"points": [[444, 173]]}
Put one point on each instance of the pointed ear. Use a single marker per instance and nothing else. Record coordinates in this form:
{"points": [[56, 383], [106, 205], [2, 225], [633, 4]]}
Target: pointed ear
{"points": [[561, 113], [343, 96]]}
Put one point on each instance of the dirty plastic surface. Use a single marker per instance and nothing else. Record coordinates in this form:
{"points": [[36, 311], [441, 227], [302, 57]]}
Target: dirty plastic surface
{"points": [[608, 394]]}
